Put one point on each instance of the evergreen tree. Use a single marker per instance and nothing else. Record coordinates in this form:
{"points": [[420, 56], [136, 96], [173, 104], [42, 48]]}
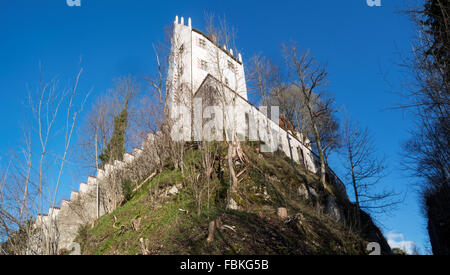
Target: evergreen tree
{"points": [[116, 146]]}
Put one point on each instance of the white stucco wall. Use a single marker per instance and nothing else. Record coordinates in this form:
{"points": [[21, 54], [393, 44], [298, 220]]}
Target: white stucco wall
{"points": [[193, 74]]}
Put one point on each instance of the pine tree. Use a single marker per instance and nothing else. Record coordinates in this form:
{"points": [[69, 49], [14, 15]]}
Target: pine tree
{"points": [[116, 146]]}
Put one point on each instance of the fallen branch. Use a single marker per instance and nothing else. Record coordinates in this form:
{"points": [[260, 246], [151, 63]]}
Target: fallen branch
{"points": [[185, 211], [229, 227], [242, 172], [142, 183]]}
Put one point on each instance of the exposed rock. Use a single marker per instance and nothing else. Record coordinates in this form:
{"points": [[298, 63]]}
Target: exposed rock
{"points": [[282, 213], [333, 209], [232, 205], [302, 192], [174, 190]]}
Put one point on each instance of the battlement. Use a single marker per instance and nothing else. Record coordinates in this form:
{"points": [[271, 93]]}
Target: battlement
{"points": [[67, 218], [230, 52], [196, 54]]}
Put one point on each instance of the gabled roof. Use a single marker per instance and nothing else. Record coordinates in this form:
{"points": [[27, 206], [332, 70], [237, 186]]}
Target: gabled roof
{"points": [[209, 76], [217, 45]]}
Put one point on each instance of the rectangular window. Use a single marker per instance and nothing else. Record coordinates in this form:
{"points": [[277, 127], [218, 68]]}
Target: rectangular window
{"points": [[204, 65], [231, 66], [301, 157], [202, 43], [181, 49]]}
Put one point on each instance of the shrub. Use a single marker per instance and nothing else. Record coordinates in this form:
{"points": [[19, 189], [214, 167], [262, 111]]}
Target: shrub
{"points": [[127, 190]]}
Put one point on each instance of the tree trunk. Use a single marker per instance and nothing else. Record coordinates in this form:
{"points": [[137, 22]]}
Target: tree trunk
{"points": [[321, 156], [211, 231], [290, 150], [355, 189], [233, 178]]}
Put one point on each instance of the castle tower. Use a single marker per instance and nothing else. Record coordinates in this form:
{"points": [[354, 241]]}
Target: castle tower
{"points": [[194, 56], [200, 68]]}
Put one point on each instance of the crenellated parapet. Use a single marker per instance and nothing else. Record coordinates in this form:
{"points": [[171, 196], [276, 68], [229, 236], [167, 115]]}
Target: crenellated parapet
{"points": [[128, 158], [82, 206]]}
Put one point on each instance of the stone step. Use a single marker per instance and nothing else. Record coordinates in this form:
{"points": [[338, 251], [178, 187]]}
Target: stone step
{"points": [[119, 165], [83, 188], [137, 152], [92, 181], [41, 219], [108, 169], [100, 174], [128, 158], [74, 195], [53, 212]]}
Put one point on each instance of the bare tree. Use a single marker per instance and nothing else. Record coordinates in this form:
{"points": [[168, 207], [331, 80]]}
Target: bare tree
{"points": [[98, 125], [97, 129], [364, 171], [126, 89], [163, 86], [427, 96], [227, 91], [310, 78], [99, 144], [264, 78], [27, 189]]}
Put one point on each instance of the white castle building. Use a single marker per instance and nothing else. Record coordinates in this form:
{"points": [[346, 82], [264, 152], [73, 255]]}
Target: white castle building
{"points": [[196, 55], [200, 70]]}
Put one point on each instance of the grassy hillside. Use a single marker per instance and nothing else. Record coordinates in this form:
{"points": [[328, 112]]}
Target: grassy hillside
{"points": [[164, 216]]}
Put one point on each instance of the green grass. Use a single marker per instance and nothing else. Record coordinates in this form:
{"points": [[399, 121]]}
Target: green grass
{"points": [[105, 239], [268, 183]]}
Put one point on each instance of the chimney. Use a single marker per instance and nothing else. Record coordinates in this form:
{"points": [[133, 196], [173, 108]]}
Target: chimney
{"points": [[213, 38]]}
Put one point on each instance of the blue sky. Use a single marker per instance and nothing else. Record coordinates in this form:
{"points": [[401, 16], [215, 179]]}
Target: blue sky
{"points": [[360, 44]]}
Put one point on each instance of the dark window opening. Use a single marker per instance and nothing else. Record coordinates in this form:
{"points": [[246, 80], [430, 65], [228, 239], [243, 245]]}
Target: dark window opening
{"points": [[204, 65], [231, 66], [202, 43]]}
